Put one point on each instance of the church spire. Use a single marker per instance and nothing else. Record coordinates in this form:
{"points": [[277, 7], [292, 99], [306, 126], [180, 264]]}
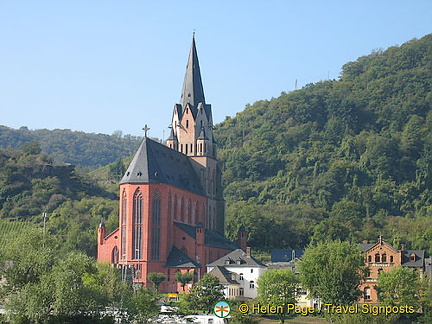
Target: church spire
{"points": [[193, 92]]}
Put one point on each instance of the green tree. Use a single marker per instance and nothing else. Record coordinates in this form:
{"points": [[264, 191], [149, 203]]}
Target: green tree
{"points": [[31, 148], [156, 278], [203, 295], [400, 286], [42, 286], [183, 278], [117, 169], [140, 304], [278, 287], [332, 271]]}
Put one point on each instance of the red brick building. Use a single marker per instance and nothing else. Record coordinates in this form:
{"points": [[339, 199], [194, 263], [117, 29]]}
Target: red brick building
{"points": [[172, 212], [382, 256]]}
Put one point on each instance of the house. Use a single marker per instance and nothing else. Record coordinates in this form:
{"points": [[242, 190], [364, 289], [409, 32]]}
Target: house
{"points": [[382, 256], [282, 259], [172, 211], [238, 272]]}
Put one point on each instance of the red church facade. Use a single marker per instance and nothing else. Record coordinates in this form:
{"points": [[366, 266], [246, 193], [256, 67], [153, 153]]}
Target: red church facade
{"points": [[171, 205]]}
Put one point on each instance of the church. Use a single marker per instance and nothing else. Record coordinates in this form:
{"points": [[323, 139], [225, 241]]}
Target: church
{"points": [[172, 211]]}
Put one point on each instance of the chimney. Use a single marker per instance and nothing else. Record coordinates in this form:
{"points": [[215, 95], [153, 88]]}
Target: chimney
{"points": [[402, 247], [365, 241], [248, 251]]}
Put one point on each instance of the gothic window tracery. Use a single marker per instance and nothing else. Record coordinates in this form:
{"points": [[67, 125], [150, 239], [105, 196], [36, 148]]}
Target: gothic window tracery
{"points": [[123, 225], [137, 225], [155, 231]]}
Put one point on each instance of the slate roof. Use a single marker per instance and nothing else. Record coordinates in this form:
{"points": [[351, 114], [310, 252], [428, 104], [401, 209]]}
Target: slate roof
{"points": [[237, 258], [157, 163], [193, 91], [366, 246], [202, 135], [172, 135], [211, 238], [406, 258], [176, 258], [285, 255], [224, 276]]}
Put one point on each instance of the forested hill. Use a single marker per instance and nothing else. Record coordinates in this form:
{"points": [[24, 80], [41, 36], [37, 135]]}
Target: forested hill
{"points": [[78, 148], [348, 158]]}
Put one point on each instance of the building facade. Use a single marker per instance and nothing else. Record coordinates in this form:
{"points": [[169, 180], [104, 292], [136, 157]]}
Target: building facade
{"points": [[383, 257], [172, 212], [238, 272]]}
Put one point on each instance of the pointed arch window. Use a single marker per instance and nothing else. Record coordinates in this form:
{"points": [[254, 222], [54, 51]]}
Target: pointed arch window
{"points": [[137, 225], [123, 225], [115, 255], [189, 211], [195, 216], [203, 215], [169, 207], [175, 207], [155, 230], [213, 181], [182, 218]]}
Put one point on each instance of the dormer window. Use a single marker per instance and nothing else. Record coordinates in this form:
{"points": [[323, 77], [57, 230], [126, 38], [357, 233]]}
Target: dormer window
{"points": [[413, 257], [227, 261]]}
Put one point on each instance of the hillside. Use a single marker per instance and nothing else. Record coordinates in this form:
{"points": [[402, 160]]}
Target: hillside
{"points": [[77, 148], [31, 184], [348, 158]]}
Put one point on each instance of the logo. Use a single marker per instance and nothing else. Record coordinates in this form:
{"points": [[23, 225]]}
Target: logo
{"points": [[221, 309]]}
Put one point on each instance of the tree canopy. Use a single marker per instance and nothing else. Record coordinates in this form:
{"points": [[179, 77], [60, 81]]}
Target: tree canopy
{"points": [[332, 271]]}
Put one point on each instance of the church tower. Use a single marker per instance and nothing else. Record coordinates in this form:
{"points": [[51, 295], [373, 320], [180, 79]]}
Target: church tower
{"points": [[192, 134], [172, 212]]}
